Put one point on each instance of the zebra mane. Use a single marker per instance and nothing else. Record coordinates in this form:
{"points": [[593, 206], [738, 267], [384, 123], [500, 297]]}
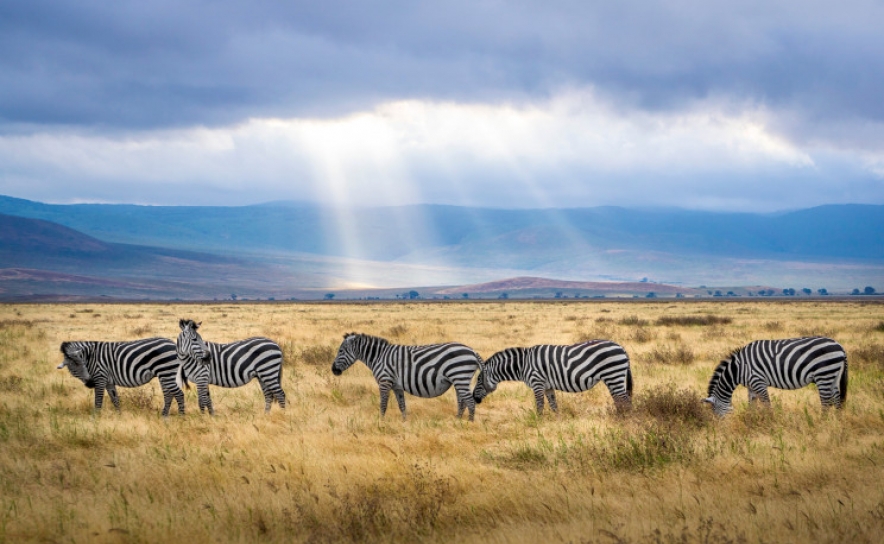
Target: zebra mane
{"points": [[67, 347], [719, 370], [377, 339]]}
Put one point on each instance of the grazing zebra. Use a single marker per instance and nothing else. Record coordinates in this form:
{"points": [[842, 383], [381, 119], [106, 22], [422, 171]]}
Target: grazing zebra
{"points": [[784, 364], [105, 365], [230, 365], [547, 368], [423, 371]]}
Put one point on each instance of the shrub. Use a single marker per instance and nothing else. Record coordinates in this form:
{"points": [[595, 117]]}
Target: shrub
{"points": [[140, 398], [634, 320], [693, 320], [397, 331], [317, 355], [679, 354], [670, 405], [867, 355], [642, 335]]}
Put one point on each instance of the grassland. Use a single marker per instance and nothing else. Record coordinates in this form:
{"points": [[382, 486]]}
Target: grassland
{"points": [[328, 469]]}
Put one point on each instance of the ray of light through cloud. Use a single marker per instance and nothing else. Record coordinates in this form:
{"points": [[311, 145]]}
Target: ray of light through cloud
{"points": [[575, 149]]}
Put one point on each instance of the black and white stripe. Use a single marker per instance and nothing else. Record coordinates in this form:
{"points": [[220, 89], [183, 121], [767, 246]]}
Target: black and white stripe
{"points": [[423, 371], [784, 364], [230, 365], [548, 368], [106, 365]]}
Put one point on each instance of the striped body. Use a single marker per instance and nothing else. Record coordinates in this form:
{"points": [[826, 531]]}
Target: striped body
{"points": [[784, 364], [423, 371], [106, 365], [549, 368], [230, 365]]}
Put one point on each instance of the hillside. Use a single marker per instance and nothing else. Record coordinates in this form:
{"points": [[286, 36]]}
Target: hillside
{"points": [[285, 250], [461, 234]]}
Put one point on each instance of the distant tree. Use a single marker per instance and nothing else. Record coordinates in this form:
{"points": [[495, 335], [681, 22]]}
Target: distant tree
{"points": [[789, 292], [329, 296], [504, 296], [558, 294], [731, 294], [708, 292], [855, 292], [232, 296], [413, 294], [679, 295], [869, 290], [822, 292], [807, 291], [717, 294], [651, 295], [644, 280], [466, 295]]}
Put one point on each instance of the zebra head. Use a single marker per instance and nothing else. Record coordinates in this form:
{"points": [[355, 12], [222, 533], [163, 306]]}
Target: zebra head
{"points": [[721, 387], [190, 344], [487, 381], [75, 357], [347, 354]]}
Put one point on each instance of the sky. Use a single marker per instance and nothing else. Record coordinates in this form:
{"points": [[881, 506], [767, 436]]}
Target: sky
{"points": [[749, 106]]}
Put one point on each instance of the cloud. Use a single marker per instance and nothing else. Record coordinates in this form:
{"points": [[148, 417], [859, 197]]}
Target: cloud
{"points": [[756, 105], [573, 149]]}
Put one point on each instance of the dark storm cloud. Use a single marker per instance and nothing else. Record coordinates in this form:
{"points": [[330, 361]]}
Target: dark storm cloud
{"points": [[156, 64]]}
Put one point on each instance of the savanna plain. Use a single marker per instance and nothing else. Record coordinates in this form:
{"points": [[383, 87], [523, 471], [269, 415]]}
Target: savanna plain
{"points": [[328, 468]]}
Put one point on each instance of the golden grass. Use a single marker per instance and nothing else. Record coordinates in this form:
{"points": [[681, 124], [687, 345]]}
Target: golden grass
{"points": [[328, 469]]}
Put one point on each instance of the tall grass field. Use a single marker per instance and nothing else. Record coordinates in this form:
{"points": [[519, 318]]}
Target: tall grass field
{"points": [[329, 469]]}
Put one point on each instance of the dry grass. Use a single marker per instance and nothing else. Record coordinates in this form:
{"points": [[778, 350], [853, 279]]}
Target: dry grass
{"points": [[329, 470]]}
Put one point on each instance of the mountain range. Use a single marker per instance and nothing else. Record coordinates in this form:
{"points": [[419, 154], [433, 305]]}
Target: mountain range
{"points": [[293, 250]]}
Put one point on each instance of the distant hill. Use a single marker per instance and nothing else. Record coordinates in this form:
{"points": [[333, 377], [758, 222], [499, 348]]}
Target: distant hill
{"points": [[461, 234], [283, 249]]}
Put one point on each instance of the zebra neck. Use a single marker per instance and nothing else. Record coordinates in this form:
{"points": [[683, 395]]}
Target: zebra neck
{"points": [[510, 369], [726, 379], [369, 353]]}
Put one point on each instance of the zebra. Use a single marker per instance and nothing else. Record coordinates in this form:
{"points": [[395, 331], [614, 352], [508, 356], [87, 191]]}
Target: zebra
{"points": [[547, 368], [424, 371], [105, 365], [785, 364], [230, 365]]}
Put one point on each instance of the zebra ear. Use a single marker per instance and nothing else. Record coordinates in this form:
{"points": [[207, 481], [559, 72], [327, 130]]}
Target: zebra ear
{"points": [[59, 367], [710, 400], [197, 325], [182, 323]]}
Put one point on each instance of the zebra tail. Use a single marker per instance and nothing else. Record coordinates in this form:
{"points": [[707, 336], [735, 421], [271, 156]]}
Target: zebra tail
{"points": [[842, 386], [181, 379], [629, 381]]}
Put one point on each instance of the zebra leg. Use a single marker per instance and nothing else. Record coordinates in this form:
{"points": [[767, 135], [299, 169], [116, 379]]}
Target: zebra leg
{"points": [[280, 396], [760, 393], [830, 393], [384, 389], [618, 387], [551, 397], [112, 391], [465, 400], [268, 399], [538, 399], [400, 400], [170, 390], [99, 396], [205, 399]]}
